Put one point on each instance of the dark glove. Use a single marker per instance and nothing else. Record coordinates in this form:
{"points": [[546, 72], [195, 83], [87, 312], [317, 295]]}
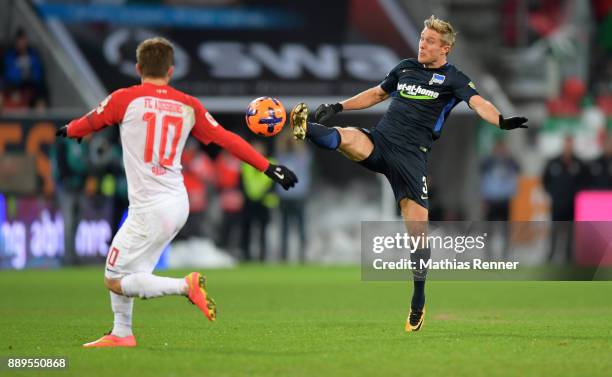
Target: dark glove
{"points": [[63, 132], [326, 111], [281, 175], [512, 122]]}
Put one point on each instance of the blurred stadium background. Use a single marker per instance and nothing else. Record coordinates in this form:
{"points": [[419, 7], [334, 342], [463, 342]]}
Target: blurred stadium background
{"points": [[61, 202]]}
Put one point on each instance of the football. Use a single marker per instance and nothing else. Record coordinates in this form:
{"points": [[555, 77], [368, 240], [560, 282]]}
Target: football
{"points": [[265, 116]]}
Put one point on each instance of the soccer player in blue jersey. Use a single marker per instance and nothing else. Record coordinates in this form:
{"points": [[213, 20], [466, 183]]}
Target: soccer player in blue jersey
{"points": [[423, 91]]}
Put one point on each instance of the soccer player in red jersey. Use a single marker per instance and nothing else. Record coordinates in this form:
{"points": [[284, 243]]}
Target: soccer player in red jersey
{"points": [[155, 120]]}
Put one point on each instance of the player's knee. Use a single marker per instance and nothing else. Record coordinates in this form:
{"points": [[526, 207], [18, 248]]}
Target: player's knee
{"points": [[413, 211], [354, 144], [347, 136], [113, 285], [414, 215]]}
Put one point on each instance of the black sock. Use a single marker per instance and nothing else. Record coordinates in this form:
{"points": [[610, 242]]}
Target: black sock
{"points": [[322, 136], [418, 296], [419, 257]]}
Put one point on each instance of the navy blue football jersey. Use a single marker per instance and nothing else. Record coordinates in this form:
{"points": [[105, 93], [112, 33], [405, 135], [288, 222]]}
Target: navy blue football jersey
{"points": [[422, 99]]}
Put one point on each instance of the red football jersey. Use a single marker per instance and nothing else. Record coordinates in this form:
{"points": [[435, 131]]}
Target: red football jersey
{"points": [[154, 123]]}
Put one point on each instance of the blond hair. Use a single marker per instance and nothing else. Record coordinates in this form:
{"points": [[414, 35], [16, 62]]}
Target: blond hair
{"points": [[154, 57], [444, 28]]}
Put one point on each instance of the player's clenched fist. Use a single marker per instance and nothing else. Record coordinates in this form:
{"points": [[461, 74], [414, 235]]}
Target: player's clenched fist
{"points": [[63, 132], [281, 175], [326, 111], [512, 122]]}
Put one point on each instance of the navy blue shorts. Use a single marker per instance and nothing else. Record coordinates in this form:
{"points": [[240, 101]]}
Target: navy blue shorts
{"points": [[404, 166]]}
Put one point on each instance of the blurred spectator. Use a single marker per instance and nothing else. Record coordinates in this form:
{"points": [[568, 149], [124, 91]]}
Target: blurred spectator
{"points": [[524, 22], [499, 176], [121, 201], [106, 168], [292, 202], [602, 8], [545, 16], [24, 81], [259, 198], [198, 172], [568, 104], [601, 70], [70, 170], [227, 173], [600, 170], [563, 178], [603, 16]]}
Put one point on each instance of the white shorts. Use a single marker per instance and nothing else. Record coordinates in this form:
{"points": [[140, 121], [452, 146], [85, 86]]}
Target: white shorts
{"points": [[143, 236]]}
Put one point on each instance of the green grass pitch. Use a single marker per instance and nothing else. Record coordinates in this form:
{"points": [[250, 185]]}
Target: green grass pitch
{"points": [[314, 321]]}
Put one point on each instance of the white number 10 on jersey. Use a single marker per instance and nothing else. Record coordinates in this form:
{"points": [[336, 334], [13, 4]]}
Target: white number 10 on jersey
{"points": [[170, 126]]}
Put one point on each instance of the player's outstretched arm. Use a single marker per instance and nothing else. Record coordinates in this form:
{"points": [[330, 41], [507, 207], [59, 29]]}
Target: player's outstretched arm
{"points": [[63, 132], [108, 112], [489, 113], [245, 152], [363, 100], [207, 130]]}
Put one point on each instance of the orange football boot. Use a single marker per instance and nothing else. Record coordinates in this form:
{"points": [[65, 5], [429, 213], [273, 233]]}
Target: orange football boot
{"points": [[415, 319], [198, 296], [110, 340]]}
